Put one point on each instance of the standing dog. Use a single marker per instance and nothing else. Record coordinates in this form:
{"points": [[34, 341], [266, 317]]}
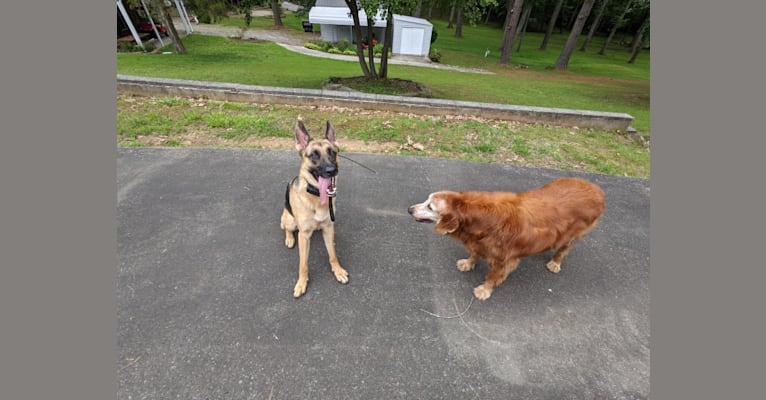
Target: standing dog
{"points": [[502, 227], [310, 201]]}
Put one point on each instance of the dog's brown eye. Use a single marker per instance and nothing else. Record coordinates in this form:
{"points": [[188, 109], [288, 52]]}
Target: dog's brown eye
{"points": [[314, 155], [331, 153]]}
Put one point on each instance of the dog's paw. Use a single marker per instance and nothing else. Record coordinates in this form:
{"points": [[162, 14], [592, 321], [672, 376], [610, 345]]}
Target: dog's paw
{"points": [[465, 265], [341, 275], [289, 241], [300, 289], [481, 292], [553, 266]]}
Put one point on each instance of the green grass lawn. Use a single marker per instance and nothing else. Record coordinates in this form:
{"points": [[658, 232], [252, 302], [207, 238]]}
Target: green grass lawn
{"points": [[221, 59], [593, 82]]}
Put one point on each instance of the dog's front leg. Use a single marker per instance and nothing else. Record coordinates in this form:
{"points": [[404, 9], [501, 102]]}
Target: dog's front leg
{"points": [[467, 264], [304, 241], [328, 234]]}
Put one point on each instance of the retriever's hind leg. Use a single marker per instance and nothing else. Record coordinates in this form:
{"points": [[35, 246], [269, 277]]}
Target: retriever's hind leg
{"points": [[554, 265]]}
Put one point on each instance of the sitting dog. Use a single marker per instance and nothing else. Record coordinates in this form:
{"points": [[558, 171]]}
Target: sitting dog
{"points": [[310, 201], [502, 227]]}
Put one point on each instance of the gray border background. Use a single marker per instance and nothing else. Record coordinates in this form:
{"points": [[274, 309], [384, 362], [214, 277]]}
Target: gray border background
{"points": [[57, 207], [57, 173], [706, 211]]}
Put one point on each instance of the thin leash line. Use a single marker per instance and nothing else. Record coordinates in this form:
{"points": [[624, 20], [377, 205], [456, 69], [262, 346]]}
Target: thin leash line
{"points": [[359, 164]]}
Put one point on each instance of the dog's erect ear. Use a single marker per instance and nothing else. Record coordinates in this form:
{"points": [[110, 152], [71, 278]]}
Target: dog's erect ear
{"points": [[302, 136], [330, 133]]}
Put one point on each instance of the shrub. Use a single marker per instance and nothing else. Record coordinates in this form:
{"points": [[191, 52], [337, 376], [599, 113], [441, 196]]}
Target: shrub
{"points": [[342, 45], [434, 55], [313, 46]]}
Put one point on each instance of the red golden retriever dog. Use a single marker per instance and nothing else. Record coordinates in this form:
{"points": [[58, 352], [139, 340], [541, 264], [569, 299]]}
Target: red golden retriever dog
{"points": [[502, 227]]}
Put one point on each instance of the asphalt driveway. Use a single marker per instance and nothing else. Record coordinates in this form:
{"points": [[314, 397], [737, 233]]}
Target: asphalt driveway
{"points": [[205, 306]]}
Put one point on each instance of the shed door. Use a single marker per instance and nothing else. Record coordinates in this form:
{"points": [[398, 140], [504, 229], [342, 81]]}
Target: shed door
{"points": [[412, 41]]}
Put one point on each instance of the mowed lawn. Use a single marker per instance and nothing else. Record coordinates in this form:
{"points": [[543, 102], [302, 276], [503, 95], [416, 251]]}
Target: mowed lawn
{"points": [[593, 82]]}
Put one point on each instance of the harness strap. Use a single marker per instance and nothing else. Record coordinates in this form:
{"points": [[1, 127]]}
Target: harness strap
{"points": [[288, 207], [311, 189]]}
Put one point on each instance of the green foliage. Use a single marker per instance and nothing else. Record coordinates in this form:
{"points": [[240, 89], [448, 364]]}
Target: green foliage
{"points": [[342, 45], [128, 47], [473, 10], [377, 50], [434, 54], [313, 46], [207, 11], [245, 8]]}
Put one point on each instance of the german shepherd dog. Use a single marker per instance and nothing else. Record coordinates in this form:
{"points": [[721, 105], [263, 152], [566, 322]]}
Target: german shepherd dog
{"points": [[310, 201]]}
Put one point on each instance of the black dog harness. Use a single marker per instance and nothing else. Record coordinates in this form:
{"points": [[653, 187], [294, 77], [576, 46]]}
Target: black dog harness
{"points": [[313, 190]]}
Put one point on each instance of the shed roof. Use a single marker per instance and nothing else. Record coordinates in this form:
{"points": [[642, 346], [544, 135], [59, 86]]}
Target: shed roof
{"points": [[341, 16]]}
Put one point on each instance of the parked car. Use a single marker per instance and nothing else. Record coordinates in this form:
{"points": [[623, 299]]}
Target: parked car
{"points": [[146, 27]]}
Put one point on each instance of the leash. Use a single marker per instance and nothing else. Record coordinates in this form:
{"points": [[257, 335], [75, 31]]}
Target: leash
{"points": [[359, 164], [331, 191]]}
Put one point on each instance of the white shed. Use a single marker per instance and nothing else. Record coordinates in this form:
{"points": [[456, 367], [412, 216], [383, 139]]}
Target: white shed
{"points": [[412, 36]]}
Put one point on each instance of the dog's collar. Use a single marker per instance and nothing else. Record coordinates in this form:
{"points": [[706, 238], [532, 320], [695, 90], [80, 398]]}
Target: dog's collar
{"points": [[331, 192], [313, 190]]}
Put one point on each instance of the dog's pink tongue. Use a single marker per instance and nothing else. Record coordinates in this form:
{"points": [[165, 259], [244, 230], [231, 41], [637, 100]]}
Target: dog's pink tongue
{"points": [[324, 184]]}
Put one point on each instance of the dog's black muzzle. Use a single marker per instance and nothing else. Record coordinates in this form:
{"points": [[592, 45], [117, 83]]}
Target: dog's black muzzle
{"points": [[326, 171]]}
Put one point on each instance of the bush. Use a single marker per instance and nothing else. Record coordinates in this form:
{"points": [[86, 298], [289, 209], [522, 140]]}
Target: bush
{"points": [[128, 47], [313, 46], [434, 55], [342, 45]]}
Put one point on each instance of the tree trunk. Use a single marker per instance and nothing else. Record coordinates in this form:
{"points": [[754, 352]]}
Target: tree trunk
{"points": [[617, 24], [551, 25], [523, 25], [370, 50], [459, 23], [594, 25], [275, 11], [387, 41], [452, 14], [159, 5], [352, 7], [563, 61], [506, 22], [637, 36], [418, 6], [637, 46], [510, 36], [572, 18]]}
